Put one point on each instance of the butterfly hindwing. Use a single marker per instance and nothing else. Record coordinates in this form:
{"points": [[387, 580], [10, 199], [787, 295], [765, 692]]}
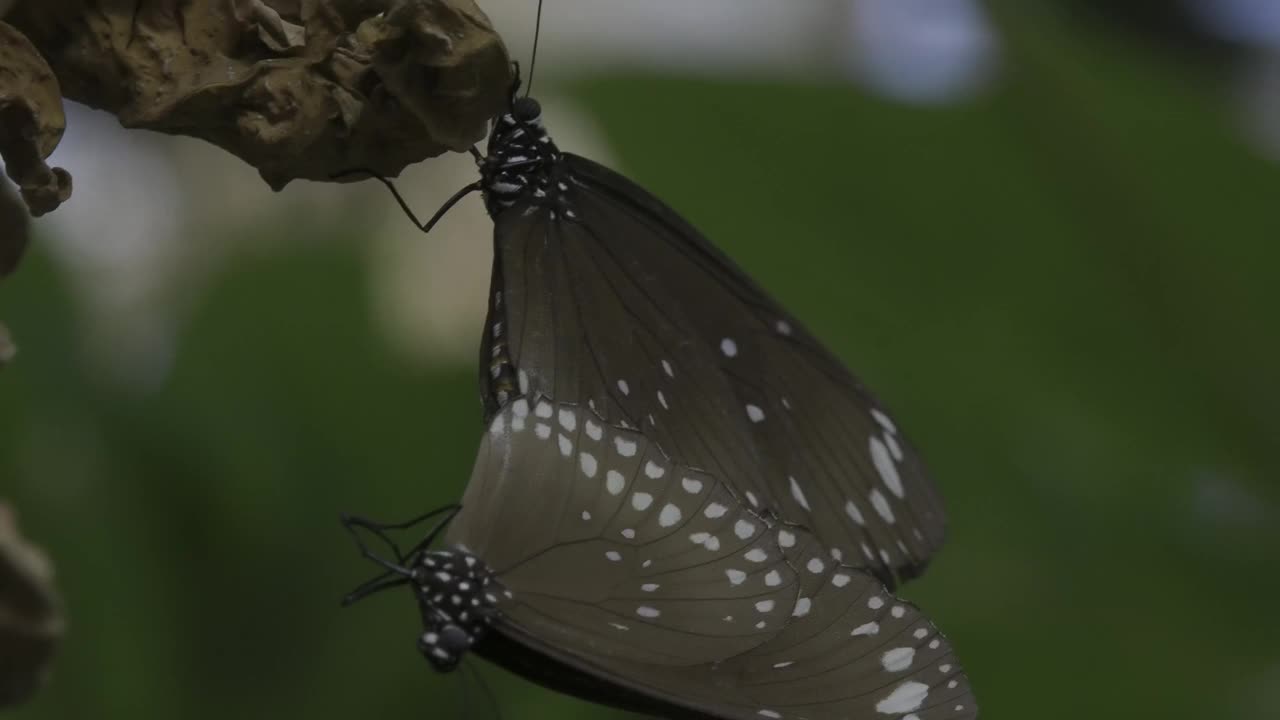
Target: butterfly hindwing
{"points": [[661, 580]]}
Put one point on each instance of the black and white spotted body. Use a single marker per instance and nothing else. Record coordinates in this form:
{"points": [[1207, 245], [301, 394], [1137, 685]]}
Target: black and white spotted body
{"points": [[524, 165], [458, 597]]}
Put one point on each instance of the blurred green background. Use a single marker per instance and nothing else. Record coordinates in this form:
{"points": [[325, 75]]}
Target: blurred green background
{"points": [[1064, 286]]}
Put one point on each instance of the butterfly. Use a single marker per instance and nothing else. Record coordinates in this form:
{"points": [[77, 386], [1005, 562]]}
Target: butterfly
{"points": [[584, 558], [683, 504]]}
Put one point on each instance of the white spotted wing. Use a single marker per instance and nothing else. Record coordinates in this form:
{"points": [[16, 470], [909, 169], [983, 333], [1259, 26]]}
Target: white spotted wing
{"points": [[636, 569], [627, 309]]}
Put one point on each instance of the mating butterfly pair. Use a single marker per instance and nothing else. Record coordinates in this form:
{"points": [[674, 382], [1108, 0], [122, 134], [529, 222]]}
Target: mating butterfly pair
{"points": [[683, 504]]}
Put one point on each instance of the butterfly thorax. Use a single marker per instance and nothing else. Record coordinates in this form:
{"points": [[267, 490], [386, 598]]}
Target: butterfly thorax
{"points": [[458, 596], [523, 163]]}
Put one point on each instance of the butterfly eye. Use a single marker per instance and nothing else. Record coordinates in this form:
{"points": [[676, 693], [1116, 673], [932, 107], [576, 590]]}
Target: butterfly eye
{"points": [[526, 109]]}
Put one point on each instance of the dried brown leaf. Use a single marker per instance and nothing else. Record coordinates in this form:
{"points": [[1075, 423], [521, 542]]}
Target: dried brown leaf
{"points": [[296, 88], [31, 124]]}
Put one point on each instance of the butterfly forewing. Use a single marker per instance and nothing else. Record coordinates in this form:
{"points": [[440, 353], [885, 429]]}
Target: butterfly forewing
{"points": [[657, 577], [627, 309]]}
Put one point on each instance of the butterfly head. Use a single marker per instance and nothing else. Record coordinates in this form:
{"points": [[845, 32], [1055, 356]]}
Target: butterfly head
{"points": [[457, 595]]}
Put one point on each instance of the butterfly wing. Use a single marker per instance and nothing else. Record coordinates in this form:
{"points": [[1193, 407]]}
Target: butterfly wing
{"points": [[628, 567], [627, 309]]}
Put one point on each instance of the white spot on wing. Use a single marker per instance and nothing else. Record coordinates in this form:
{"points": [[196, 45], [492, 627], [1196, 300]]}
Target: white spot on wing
{"points": [[816, 565], [691, 486], [894, 449], [729, 347], [773, 578], [736, 577], [613, 555], [765, 606], [906, 697], [881, 505], [654, 470], [755, 413], [803, 605], [744, 529], [786, 538], [884, 421], [623, 387], [614, 482], [625, 447], [647, 612], [756, 555], [854, 513], [520, 408], [666, 367], [798, 494], [669, 516], [588, 463], [870, 628], [568, 420], [566, 447], [715, 510], [884, 465], [594, 431], [898, 659], [641, 500]]}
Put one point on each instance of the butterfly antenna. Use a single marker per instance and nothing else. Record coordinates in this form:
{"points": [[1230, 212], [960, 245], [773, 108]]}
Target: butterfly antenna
{"points": [[533, 60]]}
